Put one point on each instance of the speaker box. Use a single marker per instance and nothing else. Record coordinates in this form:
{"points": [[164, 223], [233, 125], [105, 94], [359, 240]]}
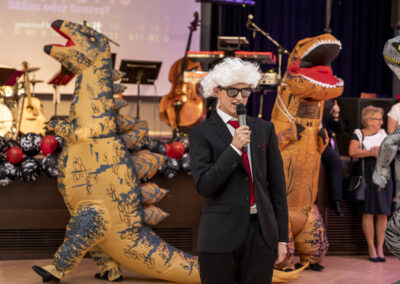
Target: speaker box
{"points": [[350, 113]]}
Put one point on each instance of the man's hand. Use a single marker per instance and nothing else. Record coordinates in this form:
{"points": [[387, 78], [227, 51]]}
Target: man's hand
{"points": [[241, 137], [282, 251]]}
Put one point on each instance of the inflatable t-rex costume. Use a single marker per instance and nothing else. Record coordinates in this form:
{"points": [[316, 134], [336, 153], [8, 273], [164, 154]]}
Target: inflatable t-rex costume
{"points": [[296, 115], [389, 151]]}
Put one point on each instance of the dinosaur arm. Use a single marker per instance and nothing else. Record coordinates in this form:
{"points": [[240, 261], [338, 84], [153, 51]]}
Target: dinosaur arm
{"points": [[209, 174], [288, 135], [387, 153], [62, 128]]}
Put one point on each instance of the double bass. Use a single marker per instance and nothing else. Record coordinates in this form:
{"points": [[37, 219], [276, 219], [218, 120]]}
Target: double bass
{"points": [[182, 107]]}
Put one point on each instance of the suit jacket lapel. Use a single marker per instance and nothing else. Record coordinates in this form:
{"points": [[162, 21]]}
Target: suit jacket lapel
{"points": [[221, 129]]}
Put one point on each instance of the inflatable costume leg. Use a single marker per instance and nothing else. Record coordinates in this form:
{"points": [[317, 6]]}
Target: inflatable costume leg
{"points": [[109, 268], [311, 241], [88, 226]]}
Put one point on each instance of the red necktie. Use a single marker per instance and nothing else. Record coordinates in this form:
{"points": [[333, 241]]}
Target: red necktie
{"points": [[235, 124]]}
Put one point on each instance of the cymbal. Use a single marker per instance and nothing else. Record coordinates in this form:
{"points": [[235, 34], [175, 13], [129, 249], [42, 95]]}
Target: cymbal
{"points": [[35, 81], [33, 69]]}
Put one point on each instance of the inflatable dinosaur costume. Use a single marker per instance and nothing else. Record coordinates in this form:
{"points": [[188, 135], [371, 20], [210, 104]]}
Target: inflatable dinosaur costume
{"points": [[296, 115], [97, 177], [388, 152]]}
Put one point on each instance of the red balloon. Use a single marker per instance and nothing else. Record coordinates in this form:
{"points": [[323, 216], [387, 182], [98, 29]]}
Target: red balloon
{"points": [[14, 155], [48, 145], [168, 151], [178, 149]]}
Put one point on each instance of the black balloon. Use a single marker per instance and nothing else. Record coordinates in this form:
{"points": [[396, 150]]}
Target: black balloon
{"points": [[185, 163], [12, 143], [30, 144], [29, 169], [162, 149], [169, 173], [3, 145], [50, 164], [153, 144], [173, 164], [60, 143], [7, 173], [170, 168]]}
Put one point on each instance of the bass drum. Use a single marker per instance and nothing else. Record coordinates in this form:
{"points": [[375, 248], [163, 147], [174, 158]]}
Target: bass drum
{"points": [[6, 120]]}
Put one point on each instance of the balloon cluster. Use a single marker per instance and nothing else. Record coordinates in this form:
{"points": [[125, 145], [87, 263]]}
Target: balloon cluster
{"points": [[177, 156], [18, 159]]}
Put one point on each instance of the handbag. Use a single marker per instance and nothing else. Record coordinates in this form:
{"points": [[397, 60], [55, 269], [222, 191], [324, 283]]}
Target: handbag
{"points": [[355, 186]]}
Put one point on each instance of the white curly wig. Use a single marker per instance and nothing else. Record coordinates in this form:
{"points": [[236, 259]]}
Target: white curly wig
{"points": [[229, 72]]}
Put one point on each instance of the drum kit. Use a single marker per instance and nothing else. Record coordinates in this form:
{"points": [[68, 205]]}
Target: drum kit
{"points": [[12, 94]]}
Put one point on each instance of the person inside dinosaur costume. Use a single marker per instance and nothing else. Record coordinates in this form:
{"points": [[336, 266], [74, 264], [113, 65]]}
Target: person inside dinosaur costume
{"points": [[296, 115], [389, 152], [100, 180]]}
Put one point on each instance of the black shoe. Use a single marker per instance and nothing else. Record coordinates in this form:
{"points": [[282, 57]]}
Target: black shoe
{"points": [[105, 277], [338, 208], [298, 265], [381, 259], [374, 259], [46, 276], [316, 267]]}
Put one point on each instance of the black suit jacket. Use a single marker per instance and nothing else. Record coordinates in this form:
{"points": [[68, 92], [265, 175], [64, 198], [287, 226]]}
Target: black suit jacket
{"points": [[221, 178]]}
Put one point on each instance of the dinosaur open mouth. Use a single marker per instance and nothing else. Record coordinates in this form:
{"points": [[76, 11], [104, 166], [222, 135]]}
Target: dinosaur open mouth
{"points": [[315, 64], [56, 26]]}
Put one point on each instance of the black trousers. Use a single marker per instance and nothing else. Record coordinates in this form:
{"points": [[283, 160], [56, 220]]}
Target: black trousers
{"points": [[331, 160], [251, 263]]}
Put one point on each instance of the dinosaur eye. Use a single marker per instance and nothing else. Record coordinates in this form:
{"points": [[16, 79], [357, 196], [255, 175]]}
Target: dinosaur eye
{"points": [[396, 45]]}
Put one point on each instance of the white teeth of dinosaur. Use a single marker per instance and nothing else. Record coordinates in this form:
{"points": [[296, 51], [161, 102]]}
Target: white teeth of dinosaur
{"points": [[320, 43], [324, 85]]}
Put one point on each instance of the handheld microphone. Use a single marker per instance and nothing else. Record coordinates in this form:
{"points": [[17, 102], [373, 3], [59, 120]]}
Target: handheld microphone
{"points": [[250, 18], [241, 114]]}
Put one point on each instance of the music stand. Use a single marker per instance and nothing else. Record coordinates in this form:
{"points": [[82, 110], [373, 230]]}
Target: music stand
{"points": [[9, 76], [139, 72], [61, 78]]}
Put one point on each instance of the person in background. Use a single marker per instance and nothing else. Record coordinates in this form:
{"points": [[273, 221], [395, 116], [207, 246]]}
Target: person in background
{"points": [[377, 201], [244, 224], [330, 157]]}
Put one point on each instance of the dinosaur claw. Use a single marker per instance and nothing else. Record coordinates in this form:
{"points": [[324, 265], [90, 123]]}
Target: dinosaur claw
{"points": [[46, 276], [105, 277]]}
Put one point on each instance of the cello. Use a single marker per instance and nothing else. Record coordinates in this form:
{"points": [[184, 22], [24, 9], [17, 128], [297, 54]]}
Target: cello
{"points": [[182, 107]]}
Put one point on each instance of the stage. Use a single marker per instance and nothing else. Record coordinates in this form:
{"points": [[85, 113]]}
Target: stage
{"points": [[338, 269]]}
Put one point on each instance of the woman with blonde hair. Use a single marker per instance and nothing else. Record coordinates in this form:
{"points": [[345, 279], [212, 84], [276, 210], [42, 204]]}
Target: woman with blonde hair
{"points": [[365, 144]]}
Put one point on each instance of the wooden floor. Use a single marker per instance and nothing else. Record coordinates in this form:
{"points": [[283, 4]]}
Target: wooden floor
{"points": [[338, 269]]}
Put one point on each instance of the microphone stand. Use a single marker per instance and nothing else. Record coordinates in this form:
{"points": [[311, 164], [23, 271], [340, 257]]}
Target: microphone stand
{"points": [[281, 49]]}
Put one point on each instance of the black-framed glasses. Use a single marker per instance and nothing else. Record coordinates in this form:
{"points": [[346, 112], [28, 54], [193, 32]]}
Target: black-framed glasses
{"points": [[233, 92]]}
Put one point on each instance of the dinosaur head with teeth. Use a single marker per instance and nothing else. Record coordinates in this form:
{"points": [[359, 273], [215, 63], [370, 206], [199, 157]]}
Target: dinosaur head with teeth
{"points": [[309, 73]]}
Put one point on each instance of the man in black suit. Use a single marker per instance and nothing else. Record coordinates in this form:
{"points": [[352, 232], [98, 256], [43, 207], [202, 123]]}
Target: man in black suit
{"points": [[244, 225]]}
